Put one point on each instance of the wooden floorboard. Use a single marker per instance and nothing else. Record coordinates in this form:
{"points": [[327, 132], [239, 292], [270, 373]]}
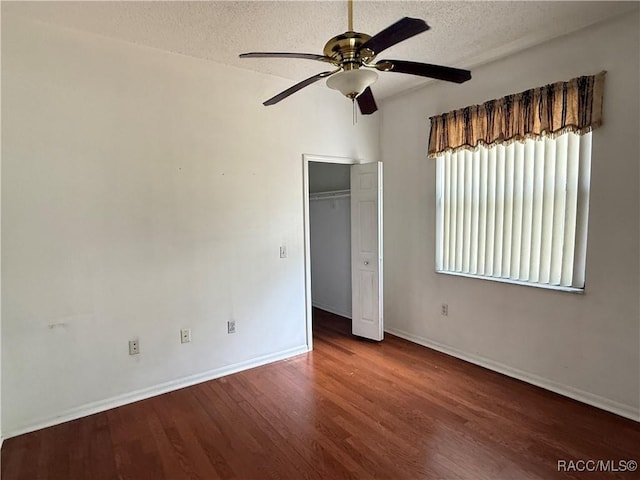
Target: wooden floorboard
{"points": [[350, 409]]}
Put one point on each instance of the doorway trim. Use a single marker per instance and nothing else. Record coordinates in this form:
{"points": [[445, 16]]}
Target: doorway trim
{"points": [[306, 158]]}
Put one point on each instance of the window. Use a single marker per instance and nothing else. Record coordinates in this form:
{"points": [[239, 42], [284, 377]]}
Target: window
{"points": [[512, 185], [516, 212]]}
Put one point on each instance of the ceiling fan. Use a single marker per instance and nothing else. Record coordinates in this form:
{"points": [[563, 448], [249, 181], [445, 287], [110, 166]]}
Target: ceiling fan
{"points": [[352, 54]]}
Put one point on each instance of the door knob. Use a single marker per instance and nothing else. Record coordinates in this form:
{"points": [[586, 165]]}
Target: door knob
{"points": [[366, 262]]}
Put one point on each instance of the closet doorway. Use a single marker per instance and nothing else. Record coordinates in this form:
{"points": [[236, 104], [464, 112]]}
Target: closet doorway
{"points": [[343, 242]]}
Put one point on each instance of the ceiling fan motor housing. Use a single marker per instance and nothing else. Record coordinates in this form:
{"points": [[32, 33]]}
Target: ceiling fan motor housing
{"points": [[346, 52]]}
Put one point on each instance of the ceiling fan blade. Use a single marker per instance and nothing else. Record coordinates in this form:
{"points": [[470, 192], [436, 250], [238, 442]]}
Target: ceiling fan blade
{"points": [[306, 56], [396, 33], [439, 72], [296, 87], [366, 102]]}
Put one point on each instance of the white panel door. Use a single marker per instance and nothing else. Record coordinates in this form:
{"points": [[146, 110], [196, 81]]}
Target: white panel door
{"points": [[366, 250]]}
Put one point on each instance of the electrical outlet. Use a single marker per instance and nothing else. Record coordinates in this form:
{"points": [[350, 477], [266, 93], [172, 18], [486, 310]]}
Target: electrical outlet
{"points": [[283, 251], [444, 310], [134, 347], [231, 326], [185, 335]]}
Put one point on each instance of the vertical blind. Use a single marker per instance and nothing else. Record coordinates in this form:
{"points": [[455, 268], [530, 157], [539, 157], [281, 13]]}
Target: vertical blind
{"points": [[516, 212]]}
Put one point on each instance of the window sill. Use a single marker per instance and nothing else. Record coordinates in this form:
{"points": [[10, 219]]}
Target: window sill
{"points": [[516, 282]]}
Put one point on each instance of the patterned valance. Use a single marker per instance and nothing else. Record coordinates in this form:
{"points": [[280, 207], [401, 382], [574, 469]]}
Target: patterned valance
{"points": [[574, 106]]}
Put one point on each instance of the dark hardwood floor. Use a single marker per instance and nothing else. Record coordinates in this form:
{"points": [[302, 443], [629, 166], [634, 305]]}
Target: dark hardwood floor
{"points": [[349, 409]]}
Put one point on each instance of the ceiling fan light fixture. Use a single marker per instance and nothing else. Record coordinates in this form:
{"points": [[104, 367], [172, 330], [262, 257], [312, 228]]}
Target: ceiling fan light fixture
{"points": [[352, 83]]}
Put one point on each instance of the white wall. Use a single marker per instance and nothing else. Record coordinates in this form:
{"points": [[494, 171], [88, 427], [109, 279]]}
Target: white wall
{"points": [[328, 177], [586, 346], [143, 192], [330, 241]]}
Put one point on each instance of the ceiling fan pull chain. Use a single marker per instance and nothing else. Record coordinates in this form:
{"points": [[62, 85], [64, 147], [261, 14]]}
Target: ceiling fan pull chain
{"points": [[355, 111]]}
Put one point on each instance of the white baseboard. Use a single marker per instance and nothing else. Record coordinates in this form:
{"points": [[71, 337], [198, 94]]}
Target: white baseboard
{"points": [[119, 400], [329, 309], [603, 403]]}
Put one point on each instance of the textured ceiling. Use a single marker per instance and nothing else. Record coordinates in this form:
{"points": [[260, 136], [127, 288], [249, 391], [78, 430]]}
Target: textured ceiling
{"points": [[463, 34]]}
